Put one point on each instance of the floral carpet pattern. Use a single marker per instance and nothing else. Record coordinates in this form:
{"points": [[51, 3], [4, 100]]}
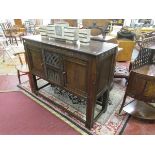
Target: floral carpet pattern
{"points": [[109, 123]]}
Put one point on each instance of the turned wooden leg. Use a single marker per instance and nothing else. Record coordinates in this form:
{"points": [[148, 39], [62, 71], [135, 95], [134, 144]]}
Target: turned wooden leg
{"points": [[16, 40], [7, 43], [10, 40], [18, 73], [20, 37], [3, 55]]}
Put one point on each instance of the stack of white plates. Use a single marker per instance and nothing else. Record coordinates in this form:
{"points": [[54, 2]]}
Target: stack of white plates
{"points": [[71, 33], [43, 31], [50, 31], [84, 35]]}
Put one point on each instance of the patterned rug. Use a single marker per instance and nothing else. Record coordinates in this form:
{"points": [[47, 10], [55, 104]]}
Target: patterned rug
{"points": [[109, 123]]}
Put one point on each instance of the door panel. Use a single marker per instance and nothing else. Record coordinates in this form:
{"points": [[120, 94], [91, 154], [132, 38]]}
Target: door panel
{"points": [[36, 61], [76, 75]]}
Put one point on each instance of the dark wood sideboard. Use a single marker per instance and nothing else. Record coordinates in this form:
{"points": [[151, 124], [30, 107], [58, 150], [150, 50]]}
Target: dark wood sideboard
{"points": [[84, 70]]}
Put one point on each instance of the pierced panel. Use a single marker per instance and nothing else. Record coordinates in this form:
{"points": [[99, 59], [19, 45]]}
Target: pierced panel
{"points": [[63, 93], [143, 58], [53, 59], [53, 76]]}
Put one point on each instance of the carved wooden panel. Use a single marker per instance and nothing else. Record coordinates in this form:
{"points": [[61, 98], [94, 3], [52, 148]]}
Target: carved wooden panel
{"points": [[133, 89], [141, 87], [53, 59], [76, 75], [105, 71], [53, 76], [150, 89], [65, 52], [36, 67]]}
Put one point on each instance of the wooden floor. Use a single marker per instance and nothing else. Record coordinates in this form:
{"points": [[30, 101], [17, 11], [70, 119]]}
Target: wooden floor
{"points": [[137, 126], [133, 127]]}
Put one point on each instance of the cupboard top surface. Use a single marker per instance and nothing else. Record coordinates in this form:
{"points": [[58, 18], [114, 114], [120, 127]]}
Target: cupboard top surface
{"points": [[93, 48]]}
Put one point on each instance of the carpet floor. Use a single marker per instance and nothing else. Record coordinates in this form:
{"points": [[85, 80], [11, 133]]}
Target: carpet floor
{"points": [[20, 115], [8, 83], [133, 127], [109, 123]]}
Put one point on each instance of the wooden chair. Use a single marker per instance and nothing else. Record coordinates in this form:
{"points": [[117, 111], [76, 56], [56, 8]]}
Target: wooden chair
{"points": [[6, 47], [22, 67], [11, 32], [141, 85], [97, 26], [72, 22]]}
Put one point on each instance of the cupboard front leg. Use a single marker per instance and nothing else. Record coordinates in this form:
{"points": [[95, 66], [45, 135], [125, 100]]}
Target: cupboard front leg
{"points": [[33, 83], [90, 111], [91, 101]]}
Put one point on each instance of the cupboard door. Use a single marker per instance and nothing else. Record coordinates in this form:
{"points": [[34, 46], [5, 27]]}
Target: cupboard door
{"points": [[36, 60], [75, 75], [54, 67]]}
